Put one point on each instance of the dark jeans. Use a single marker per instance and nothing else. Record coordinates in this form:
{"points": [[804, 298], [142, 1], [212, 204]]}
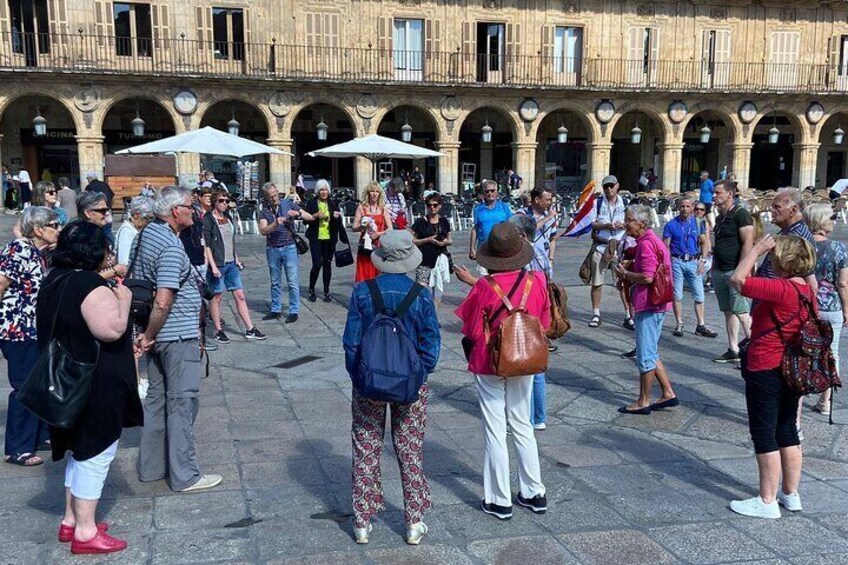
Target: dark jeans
{"points": [[322, 257], [772, 407], [23, 429]]}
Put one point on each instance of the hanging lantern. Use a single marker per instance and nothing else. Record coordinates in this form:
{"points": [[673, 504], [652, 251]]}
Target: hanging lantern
{"points": [[138, 127], [406, 132], [233, 126], [838, 136], [636, 135], [321, 129], [487, 133], [562, 134], [773, 135], [39, 124], [705, 134]]}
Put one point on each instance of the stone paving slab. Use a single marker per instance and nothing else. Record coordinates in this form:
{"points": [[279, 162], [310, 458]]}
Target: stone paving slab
{"points": [[621, 489]]}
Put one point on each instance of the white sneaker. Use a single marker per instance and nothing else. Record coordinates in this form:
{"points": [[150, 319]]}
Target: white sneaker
{"points": [[205, 482], [361, 534], [756, 508], [415, 532], [791, 502], [539, 426]]}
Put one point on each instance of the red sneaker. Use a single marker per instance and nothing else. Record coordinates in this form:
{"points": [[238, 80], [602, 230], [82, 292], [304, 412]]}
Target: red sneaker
{"points": [[101, 543], [66, 533]]}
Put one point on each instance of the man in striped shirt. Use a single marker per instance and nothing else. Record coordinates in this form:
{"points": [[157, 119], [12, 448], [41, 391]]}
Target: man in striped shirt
{"points": [[171, 338]]}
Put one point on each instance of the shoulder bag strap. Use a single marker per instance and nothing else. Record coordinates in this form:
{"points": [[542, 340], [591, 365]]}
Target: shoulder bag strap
{"points": [[376, 297], [67, 279], [135, 251], [408, 300]]}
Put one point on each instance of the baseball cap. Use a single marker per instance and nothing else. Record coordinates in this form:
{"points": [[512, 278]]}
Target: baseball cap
{"points": [[609, 179]]}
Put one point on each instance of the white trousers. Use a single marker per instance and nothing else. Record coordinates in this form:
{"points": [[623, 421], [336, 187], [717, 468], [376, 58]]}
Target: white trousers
{"points": [[502, 399], [86, 478]]}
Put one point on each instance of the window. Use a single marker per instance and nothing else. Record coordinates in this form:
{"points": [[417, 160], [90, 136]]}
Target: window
{"points": [[30, 28], [228, 33], [643, 56], [715, 58], [408, 47], [783, 58], [133, 29], [839, 61], [490, 48], [568, 49]]}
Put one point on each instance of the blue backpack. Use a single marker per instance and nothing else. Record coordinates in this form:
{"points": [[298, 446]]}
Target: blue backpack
{"points": [[390, 368]]}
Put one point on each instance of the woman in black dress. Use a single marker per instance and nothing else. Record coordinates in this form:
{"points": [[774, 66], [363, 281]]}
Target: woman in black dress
{"points": [[87, 312], [323, 232], [432, 236]]}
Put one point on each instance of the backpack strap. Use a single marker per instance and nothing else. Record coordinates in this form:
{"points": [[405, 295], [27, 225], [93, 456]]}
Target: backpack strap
{"points": [[410, 297], [527, 286], [376, 297], [511, 292], [496, 287]]}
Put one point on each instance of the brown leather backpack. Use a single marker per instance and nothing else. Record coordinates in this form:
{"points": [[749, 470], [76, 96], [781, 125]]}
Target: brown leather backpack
{"points": [[518, 346], [560, 322]]}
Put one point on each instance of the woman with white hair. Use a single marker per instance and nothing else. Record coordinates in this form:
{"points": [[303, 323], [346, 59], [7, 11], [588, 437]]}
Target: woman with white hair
{"points": [[324, 230], [832, 278], [140, 214]]}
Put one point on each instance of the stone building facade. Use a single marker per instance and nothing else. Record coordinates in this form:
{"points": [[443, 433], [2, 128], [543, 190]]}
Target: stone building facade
{"points": [[674, 86]]}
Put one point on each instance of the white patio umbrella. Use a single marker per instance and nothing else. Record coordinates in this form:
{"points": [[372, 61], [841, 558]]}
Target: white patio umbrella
{"points": [[207, 141], [375, 148]]}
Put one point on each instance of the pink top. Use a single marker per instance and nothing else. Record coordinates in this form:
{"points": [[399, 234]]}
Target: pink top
{"points": [[649, 248], [483, 299]]}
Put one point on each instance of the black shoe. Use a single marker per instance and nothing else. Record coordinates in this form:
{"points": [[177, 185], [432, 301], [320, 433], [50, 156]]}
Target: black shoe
{"points": [[629, 324], [254, 333], [291, 318], [499, 512], [629, 355], [327, 297], [312, 297], [728, 356], [271, 316], [703, 330], [221, 337], [678, 330], [538, 504]]}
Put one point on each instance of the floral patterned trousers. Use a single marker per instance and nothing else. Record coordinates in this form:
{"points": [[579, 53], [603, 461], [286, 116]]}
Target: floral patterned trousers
{"points": [[368, 429]]}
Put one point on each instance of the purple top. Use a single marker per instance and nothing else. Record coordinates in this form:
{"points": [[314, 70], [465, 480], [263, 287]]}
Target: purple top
{"points": [[649, 249]]}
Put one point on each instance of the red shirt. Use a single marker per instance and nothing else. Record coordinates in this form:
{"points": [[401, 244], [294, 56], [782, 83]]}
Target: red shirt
{"points": [[483, 299], [779, 296]]}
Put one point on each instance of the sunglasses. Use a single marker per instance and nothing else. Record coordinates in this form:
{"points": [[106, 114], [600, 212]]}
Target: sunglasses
{"points": [[489, 191], [223, 200], [609, 185], [49, 192], [54, 225], [99, 210], [433, 204]]}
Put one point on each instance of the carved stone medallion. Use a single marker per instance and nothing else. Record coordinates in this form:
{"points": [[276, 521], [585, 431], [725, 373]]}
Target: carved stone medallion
{"points": [[450, 108], [366, 106], [280, 104], [87, 99]]}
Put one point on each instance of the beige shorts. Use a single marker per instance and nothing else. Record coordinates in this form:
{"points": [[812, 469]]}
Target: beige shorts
{"points": [[600, 267]]}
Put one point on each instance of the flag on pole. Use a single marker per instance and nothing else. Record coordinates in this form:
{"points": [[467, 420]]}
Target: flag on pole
{"points": [[586, 213]]}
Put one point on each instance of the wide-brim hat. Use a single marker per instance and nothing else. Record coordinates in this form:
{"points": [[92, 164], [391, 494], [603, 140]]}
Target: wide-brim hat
{"points": [[397, 253], [505, 249]]}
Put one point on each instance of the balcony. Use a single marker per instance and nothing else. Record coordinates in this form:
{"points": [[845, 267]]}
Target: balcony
{"points": [[270, 61]]}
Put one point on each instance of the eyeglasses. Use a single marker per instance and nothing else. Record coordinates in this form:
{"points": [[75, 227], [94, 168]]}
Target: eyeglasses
{"points": [[49, 192], [223, 201], [433, 204], [54, 225], [490, 190], [99, 210]]}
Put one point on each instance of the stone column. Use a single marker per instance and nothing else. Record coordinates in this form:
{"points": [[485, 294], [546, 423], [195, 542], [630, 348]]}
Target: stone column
{"points": [[740, 162], [672, 161], [280, 165], [804, 166], [599, 160], [524, 157], [90, 151], [188, 169], [487, 168], [363, 173], [448, 180]]}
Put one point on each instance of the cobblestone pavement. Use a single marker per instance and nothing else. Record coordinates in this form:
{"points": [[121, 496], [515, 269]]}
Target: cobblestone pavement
{"points": [[275, 420]]}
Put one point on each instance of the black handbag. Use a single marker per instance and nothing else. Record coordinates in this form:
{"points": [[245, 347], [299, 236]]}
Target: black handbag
{"points": [[343, 256], [143, 291], [205, 291], [58, 387], [300, 243]]}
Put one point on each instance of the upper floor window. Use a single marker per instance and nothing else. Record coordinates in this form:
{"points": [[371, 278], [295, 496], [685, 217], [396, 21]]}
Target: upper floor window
{"points": [[30, 28], [408, 46], [838, 45], [228, 33], [568, 49], [133, 29], [783, 58], [643, 55], [715, 58]]}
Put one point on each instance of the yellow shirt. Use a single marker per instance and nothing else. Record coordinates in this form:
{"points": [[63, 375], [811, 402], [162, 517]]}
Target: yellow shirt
{"points": [[324, 223]]}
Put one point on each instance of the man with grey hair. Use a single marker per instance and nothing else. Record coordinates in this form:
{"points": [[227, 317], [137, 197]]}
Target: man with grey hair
{"points": [[166, 449], [485, 215], [786, 213], [99, 186]]}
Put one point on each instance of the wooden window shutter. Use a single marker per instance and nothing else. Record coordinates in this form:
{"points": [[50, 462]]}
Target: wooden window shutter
{"points": [[248, 33], [332, 31], [468, 59], [547, 45], [59, 20], [104, 23], [204, 27], [161, 24], [4, 18], [433, 55]]}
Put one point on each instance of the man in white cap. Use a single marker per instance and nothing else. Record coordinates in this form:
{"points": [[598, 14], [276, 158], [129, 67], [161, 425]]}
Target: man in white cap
{"points": [[608, 225]]}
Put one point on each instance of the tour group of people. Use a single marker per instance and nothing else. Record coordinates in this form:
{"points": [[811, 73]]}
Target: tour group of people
{"points": [[182, 243]]}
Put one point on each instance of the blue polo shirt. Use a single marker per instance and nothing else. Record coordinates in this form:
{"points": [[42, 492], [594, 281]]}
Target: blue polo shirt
{"points": [[707, 190], [683, 236], [485, 218]]}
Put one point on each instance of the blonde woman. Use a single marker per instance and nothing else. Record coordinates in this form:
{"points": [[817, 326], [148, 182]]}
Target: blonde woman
{"points": [[832, 276], [372, 220]]}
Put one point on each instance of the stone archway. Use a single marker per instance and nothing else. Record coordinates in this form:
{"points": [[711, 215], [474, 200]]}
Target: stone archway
{"points": [[775, 165], [47, 157], [117, 123], [832, 162], [564, 167], [706, 136], [479, 159], [627, 158], [304, 135], [424, 132], [253, 125]]}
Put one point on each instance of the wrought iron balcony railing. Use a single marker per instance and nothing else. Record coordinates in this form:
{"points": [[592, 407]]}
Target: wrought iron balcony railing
{"points": [[186, 57]]}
